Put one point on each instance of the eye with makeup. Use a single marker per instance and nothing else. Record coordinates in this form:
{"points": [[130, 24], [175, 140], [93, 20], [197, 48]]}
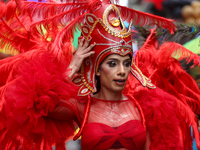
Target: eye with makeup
{"points": [[112, 63], [127, 63]]}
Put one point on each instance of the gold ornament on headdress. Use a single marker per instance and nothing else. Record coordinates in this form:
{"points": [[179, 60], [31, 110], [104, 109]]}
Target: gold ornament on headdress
{"points": [[115, 22]]}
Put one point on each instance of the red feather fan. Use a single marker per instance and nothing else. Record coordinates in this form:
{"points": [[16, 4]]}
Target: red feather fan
{"points": [[56, 18], [159, 65], [27, 26]]}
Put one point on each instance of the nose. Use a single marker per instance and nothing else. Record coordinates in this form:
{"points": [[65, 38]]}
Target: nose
{"points": [[121, 70]]}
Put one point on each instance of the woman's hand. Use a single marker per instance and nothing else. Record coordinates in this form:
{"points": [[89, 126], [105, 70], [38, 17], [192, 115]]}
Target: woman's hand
{"points": [[83, 51]]}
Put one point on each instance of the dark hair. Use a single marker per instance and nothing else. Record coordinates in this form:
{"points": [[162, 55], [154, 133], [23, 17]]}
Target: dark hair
{"points": [[98, 84]]}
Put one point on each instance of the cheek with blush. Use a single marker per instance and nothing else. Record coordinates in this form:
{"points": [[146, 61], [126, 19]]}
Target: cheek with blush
{"points": [[107, 71]]}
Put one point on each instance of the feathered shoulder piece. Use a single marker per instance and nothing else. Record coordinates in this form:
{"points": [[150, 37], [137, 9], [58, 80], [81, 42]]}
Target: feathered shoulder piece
{"points": [[161, 65]]}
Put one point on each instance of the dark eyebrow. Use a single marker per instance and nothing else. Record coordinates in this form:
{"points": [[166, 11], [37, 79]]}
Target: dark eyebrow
{"points": [[128, 59], [113, 59]]}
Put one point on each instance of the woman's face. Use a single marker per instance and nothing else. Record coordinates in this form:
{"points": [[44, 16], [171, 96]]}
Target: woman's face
{"points": [[113, 72]]}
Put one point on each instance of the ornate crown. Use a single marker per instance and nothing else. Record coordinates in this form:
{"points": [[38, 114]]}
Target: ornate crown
{"points": [[111, 37]]}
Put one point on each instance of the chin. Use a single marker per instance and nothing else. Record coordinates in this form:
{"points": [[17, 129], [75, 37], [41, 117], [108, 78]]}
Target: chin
{"points": [[120, 89]]}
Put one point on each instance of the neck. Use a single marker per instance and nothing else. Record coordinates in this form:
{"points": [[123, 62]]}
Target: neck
{"points": [[109, 95]]}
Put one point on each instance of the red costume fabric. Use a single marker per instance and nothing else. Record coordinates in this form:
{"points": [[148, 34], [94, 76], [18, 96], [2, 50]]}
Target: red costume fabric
{"points": [[112, 122], [130, 135]]}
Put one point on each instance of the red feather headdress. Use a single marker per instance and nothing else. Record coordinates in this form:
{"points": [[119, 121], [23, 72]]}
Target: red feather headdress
{"points": [[54, 23], [50, 26]]}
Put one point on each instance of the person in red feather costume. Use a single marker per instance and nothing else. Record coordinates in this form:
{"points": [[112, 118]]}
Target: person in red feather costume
{"points": [[46, 91]]}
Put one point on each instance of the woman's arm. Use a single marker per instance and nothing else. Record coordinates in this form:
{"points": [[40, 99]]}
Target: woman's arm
{"points": [[63, 111], [83, 51]]}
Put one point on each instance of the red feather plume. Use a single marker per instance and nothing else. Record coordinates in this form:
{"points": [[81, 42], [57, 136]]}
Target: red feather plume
{"points": [[165, 71], [52, 23], [144, 19], [159, 65]]}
